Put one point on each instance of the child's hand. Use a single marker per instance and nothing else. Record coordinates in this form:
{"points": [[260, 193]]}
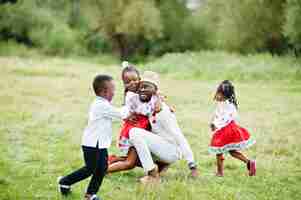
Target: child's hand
{"points": [[158, 106], [212, 126], [132, 118], [172, 109], [161, 96]]}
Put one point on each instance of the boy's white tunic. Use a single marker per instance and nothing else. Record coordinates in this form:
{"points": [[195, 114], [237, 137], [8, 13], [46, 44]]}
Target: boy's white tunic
{"points": [[166, 141], [99, 128]]}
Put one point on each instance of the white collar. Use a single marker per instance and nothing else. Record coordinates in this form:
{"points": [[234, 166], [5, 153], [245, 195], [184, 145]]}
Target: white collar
{"points": [[101, 98]]}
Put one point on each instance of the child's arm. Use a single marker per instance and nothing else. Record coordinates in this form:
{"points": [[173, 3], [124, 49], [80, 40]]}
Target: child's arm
{"points": [[214, 119], [158, 104], [112, 112], [163, 98], [126, 164]]}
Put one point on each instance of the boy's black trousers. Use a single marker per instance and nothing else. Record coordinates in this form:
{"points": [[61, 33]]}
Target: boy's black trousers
{"points": [[95, 165]]}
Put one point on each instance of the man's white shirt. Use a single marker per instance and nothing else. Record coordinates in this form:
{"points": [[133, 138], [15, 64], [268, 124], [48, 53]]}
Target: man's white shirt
{"points": [[167, 127], [99, 128]]}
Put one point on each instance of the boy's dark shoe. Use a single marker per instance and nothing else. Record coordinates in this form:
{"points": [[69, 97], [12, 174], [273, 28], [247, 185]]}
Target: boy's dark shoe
{"points": [[92, 197], [63, 189]]}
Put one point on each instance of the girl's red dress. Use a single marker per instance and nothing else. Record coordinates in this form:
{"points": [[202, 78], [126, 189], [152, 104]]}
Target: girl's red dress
{"points": [[230, 137], [142, 122]]}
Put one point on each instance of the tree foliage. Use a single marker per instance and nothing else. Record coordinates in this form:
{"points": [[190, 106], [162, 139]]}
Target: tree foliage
{"points": [[249, 25], [292, 27], [129, 23], [135, 28]]}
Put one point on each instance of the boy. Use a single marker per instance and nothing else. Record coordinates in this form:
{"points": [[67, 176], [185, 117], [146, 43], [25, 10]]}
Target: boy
{"points": [[97, 137]]}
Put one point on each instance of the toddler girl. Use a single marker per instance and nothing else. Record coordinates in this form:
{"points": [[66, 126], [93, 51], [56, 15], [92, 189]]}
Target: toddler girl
{"points": [[228, 136]]}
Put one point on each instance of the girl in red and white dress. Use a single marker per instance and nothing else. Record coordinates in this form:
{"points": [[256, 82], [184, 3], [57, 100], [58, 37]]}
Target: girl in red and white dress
{"points": [[228, 136]]}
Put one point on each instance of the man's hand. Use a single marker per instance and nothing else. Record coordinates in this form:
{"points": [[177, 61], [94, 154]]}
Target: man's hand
{"points": [[158, 106], [172, 109]]}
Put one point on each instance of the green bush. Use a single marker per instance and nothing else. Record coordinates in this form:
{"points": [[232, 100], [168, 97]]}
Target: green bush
{"points": [[134, 29], [63, 41], [292, 27], [195, 36], [34, 23], [17, 21], [246, 26], [181, 29], [12, 48], [210, 16], [249, 25], [210, 65], [97, 43], [128, 24]]}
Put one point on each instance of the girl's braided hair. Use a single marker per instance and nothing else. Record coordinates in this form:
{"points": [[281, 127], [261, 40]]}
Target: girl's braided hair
{"points": [[228, 91]]}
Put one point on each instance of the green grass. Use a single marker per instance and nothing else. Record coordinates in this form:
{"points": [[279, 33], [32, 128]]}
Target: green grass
{"points": [[44, 104]]}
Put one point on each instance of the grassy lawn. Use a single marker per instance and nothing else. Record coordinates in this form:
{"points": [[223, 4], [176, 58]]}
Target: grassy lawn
{"points": [[43, 110]]}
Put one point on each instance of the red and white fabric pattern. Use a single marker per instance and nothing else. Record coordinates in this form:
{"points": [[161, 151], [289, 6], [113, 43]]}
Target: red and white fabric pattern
{"points": [[143, 111]]}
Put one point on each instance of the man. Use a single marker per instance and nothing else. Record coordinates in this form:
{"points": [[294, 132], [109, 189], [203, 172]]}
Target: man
{"points": [[166, 141]]}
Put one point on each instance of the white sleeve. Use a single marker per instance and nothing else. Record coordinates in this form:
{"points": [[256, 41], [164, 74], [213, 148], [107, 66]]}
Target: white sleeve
{"points": [[224, 114], [170, 124], [115, 113], [218, 116], [129, 97], [230, 113], [233, 113]]}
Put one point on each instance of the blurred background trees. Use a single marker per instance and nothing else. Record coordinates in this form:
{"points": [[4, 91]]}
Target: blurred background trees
{"points": [[292, 27], [135, 29]]}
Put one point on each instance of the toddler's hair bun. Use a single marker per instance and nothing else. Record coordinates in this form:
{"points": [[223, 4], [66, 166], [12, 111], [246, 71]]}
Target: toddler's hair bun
{"points": [[125, 64]]}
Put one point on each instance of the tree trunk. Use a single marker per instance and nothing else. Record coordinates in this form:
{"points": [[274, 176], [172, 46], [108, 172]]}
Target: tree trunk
{"points": [[120, 43], [75, 13]]}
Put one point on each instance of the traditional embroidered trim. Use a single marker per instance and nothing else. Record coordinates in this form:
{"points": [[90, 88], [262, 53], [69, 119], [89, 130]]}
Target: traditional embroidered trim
{"points": [[124, 145], [234, 146], [124, 142]]}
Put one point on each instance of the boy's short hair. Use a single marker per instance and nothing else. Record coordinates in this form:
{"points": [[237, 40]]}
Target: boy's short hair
{"points": [[99, 82]]}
